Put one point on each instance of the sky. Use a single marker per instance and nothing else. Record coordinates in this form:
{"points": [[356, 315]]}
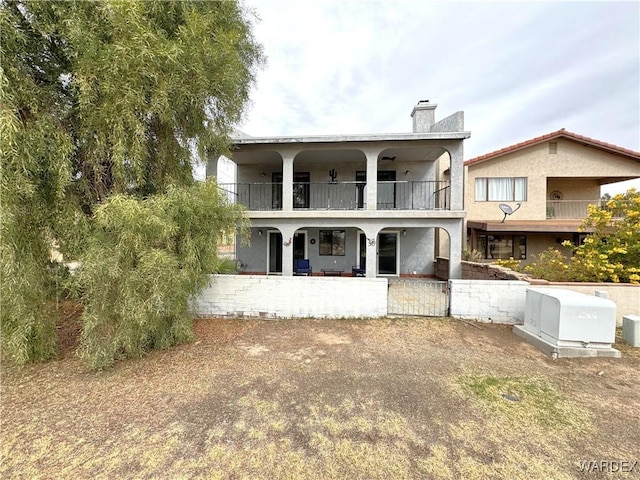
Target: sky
{"points": [[517, 69]]}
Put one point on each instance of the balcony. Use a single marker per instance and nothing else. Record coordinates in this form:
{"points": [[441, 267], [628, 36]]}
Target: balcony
{"points": [[570, 209], [392, 195]]}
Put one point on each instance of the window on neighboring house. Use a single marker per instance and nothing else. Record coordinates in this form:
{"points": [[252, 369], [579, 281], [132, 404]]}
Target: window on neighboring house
{"points": [[502, 246], [553, 147], [501, 189], [332, 242]]}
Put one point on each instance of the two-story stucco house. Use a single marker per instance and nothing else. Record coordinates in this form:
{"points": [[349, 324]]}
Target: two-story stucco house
{"points": [[548, 182], [366, 204]]}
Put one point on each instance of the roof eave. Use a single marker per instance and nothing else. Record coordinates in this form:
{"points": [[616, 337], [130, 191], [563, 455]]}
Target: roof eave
{"points": [[354, 138], [562, 133]]}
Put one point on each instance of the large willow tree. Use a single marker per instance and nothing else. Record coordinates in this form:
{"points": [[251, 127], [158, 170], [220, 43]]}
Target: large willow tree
{"points": [[100, 99]]}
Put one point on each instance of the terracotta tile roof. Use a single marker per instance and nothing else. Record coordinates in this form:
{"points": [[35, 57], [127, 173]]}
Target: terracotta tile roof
{"points": [[562, 133]]}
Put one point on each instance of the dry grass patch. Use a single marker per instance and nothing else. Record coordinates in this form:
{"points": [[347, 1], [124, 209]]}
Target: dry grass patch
{"points": [[516, 428], [378, 399]]}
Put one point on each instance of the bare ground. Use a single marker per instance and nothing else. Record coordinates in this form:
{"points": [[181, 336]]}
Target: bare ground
{"points": [[390, 398]]}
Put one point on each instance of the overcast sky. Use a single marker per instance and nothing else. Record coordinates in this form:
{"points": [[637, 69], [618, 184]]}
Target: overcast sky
{"points": [[517, 69]]}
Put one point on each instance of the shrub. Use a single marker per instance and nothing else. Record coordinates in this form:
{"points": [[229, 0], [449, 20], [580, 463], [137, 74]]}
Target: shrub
{"points": [[511, 264], [551, 265], [144, 261], [471, 255], [612, 252]]}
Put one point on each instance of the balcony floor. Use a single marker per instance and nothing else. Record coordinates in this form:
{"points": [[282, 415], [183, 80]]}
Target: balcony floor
{"points": [[355, 214]]}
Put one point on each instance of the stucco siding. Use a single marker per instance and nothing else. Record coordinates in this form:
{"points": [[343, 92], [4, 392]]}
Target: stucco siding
{"points": [[573, 170]]}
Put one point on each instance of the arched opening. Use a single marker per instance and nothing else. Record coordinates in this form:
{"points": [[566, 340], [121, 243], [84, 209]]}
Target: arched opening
{"points": [[329, 179], [410, 178]]}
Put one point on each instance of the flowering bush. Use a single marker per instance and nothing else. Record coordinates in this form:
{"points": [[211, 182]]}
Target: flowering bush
{"points": [[611, 253], [511, 264], [552, 265]]}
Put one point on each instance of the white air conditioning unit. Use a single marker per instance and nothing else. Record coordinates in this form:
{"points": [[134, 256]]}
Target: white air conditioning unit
{"points": [[564, 323]]}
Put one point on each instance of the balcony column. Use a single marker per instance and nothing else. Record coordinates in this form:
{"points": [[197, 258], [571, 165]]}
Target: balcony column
{"points": [[287, 182], [372, 184], [212, 166], [455, 249], [372, 251], [457, 177], [287, 249]]}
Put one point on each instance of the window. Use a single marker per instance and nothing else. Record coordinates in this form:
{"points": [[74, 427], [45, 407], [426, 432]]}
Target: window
{"points": [[332, 242], [553, 147], [501, 189], [502, 246]]}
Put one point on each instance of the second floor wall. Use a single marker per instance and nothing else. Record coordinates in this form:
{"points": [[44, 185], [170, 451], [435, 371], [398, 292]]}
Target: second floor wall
{"points": [[551, 180], [382, 176]]}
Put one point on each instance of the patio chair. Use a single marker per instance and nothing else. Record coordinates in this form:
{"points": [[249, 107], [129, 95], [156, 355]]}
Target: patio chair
{"points": [[303, 267], [357, 271]]}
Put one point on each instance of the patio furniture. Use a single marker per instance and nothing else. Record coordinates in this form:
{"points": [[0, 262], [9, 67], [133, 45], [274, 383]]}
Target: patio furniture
{"points": [[357, 271], [303, 267], [332, 273]]}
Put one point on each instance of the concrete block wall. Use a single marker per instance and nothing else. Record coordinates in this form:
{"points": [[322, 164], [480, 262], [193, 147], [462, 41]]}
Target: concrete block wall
{"points": [[626, 296], [478, 271], [287, 297], [496, 301], [489, 271]]}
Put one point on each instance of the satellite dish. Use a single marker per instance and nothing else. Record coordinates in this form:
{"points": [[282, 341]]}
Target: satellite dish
{"points": [[507, 210]]}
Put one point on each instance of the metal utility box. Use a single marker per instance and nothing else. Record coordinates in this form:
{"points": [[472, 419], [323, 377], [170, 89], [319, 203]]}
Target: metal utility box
{"points": [[565, 323], [631, 330]]}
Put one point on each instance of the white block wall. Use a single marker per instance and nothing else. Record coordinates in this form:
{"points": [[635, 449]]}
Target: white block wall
{"points": [[496, 301], [271, 297]]}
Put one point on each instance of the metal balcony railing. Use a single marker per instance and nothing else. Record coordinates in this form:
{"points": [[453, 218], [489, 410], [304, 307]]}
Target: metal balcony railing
{"points": [[413, 195], [407, 195], [570, 209]]}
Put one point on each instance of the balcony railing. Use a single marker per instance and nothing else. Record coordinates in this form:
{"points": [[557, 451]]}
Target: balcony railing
{"points": [[570, 209], [407, 195]]}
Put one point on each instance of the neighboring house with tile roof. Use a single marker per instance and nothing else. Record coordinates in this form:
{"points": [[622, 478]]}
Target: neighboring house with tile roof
{"points": [[366, 204], [548, 182]]}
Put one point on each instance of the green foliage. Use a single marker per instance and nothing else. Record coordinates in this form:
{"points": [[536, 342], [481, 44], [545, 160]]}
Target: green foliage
{"points": [[226, 266], [551, 265], [511, 264], [98, 98], [145, 260], [611, 253], [471, 255], [533, 401]]}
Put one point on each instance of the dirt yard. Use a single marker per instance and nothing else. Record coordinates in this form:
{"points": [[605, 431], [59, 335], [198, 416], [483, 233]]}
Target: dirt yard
{"points": [[330, 399]]}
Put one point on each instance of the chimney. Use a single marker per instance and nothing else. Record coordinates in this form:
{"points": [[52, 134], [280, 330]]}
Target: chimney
{"points": [[423, 115]]}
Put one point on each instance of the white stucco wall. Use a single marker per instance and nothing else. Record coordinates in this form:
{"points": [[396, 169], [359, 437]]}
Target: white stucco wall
{"points": [[500, 301], [496, 301], [273, 297], [624, 295]]}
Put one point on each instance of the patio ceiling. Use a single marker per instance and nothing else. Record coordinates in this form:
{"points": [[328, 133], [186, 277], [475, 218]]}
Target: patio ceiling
{"points": [[259, 155]]}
